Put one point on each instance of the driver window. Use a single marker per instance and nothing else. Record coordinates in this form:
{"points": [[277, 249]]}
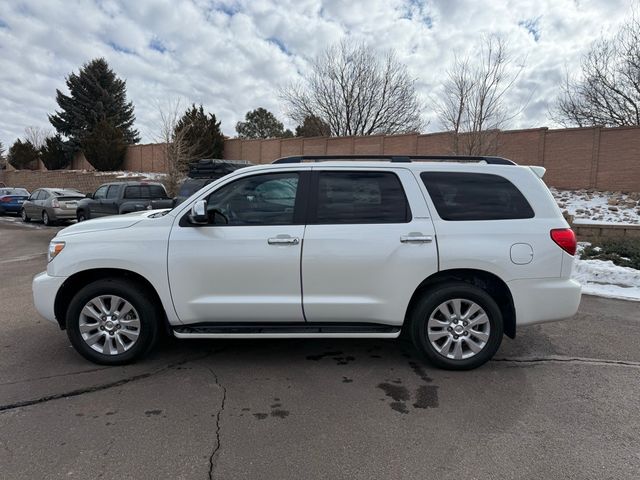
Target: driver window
{"points": [[101, 192], [258, 200]]}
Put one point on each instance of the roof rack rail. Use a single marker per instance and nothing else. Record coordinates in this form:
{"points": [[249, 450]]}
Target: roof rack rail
{"points": [[398, 158]]}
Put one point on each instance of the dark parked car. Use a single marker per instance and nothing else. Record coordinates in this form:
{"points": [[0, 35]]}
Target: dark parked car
{"points": [[204, 172], [11, 199], [123, 197]]}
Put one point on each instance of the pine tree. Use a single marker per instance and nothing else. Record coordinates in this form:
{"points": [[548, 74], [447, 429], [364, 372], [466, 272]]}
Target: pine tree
{"points": [[200, 133], [23, 155], [105, 147], [53, 154], [313, 126], [96, 95], [261, 123]]}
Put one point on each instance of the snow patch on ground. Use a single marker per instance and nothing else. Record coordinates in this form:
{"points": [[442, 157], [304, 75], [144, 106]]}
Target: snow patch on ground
{"points": [[602, 207], [606, 279]]}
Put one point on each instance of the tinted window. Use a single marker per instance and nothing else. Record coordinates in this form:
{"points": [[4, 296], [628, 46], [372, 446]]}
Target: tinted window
{"points": [[101, 192], [145, 191], [257, 200], [475, 196], [361, 197], [132, 192], [113, 191], [34, 195]]}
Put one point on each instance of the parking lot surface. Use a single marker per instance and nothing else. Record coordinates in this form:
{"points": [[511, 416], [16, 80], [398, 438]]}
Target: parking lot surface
{"points": [[560, 401]]}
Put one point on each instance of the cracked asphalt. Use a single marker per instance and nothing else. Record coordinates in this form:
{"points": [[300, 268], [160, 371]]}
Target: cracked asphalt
{"points": [[560, 401]]}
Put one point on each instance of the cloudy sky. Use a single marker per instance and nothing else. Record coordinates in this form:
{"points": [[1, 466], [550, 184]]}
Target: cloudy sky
{"points": [[232, 56]]}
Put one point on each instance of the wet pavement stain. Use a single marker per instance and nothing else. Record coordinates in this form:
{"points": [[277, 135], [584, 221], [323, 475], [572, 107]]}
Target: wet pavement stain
{"points": [[344, 360], [280, 413], [399, 407], [149, 413], [347, 380], [261, 416], [420, 372], [276, 405], [426, 397], [397, 393], [323, 355]]}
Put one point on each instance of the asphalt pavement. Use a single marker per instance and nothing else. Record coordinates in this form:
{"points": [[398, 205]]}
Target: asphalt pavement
{"points": [[559, 401]]}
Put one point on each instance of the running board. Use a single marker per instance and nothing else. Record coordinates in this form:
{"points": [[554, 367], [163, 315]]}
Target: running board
{"points": [[287, 330]]}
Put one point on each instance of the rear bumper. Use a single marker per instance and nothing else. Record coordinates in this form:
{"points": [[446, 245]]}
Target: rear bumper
{"points": [[10, 207], [544, 300], [45, 288], [61, 213]]}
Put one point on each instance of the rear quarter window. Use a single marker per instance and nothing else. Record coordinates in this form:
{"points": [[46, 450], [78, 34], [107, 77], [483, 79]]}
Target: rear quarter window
{"points": [[460, 196]]}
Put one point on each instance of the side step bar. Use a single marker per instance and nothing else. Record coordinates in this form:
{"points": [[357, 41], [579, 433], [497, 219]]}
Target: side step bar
{"points": [[287, 330]]}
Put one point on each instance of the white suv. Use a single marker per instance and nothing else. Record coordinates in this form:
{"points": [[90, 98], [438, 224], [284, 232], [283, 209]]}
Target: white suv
{"points": [[452, 251]]}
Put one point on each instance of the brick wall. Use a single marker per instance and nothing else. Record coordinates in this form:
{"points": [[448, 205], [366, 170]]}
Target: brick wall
{"points": [[598, 158], [84, 182]]}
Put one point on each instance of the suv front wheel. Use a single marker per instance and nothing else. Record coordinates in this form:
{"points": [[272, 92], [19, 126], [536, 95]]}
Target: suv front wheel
{"points": [[457, 326], [112, 322]]}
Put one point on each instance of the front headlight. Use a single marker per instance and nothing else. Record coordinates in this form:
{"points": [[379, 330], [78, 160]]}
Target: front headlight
{"points": [[55, 248]]}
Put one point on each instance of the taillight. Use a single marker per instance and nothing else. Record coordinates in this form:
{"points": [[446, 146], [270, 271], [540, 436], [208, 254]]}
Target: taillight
{"points": [[5, 199], [565, 239], [55, 203]]}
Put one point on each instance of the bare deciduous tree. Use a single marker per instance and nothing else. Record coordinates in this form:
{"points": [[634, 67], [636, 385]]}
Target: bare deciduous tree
{"points": [[355, 92], [608, 90], [37, 136], [472, 106], [178, 151]]}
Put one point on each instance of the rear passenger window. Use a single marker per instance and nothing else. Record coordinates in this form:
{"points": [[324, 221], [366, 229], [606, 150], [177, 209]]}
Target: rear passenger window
{"points": [[360, 197], [475, 196]]}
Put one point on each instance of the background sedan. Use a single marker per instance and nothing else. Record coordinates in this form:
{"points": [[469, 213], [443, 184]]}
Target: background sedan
{"points": [[11, 199], [51, 205]]}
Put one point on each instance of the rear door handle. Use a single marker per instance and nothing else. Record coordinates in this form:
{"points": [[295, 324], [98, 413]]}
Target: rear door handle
{"points": [[283, 240], [416, 238]]}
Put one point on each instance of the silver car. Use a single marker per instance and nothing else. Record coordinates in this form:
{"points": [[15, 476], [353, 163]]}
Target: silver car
{"points": [[51, 205]]}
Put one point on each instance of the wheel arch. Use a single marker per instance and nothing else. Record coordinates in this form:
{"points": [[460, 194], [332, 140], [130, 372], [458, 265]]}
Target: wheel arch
{"points": [[487, 281], [78, 280]]}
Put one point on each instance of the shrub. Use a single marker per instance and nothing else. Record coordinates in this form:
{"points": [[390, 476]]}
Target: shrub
{"points": [[623, 251]]}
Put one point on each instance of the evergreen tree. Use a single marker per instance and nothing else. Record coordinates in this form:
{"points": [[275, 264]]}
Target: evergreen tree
{"points": [[96, 97], [23, 155], [261, 123], [105, 147], [200, 133], [313, 126], [53, 153]]}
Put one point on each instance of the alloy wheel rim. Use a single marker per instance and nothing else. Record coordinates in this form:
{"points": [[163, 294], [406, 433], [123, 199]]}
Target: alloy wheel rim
{"points": [[109, 324], [458, 329]]}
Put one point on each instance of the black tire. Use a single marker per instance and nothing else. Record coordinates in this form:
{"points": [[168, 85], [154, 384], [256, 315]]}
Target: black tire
{"points": [[148, 315], [46, 220], [81, 216], [24, 216], [435, 297]]}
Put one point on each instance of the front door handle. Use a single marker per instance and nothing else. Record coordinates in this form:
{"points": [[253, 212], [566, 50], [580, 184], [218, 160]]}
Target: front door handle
{"points": [[416, 238], [283, 240]]}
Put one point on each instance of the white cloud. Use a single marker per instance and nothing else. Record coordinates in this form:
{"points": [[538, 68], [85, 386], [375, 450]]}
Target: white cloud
{"points": [[233, 55]]}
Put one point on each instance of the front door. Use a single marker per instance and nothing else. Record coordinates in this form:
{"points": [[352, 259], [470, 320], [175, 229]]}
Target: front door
{"points": [[244, 265], [366, 247]]}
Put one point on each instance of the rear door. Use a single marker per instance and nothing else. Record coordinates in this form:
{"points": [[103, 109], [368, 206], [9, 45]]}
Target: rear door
{"points": [[368, 244], [109, 205]]}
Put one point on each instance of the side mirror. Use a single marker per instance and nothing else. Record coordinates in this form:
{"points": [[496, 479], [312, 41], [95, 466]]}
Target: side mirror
{"points": [[90, 195], [198, 215]]}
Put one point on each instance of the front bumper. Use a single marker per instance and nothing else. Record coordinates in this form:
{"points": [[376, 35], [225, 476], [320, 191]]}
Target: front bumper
{"points": [[45, 288], [544, 299]]}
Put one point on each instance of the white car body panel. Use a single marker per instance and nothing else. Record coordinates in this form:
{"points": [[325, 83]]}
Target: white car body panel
{"points": [[337, 273]]}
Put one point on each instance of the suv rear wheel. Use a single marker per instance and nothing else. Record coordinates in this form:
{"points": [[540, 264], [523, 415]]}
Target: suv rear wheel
{"points": [[112, 322], [457, 326]]}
